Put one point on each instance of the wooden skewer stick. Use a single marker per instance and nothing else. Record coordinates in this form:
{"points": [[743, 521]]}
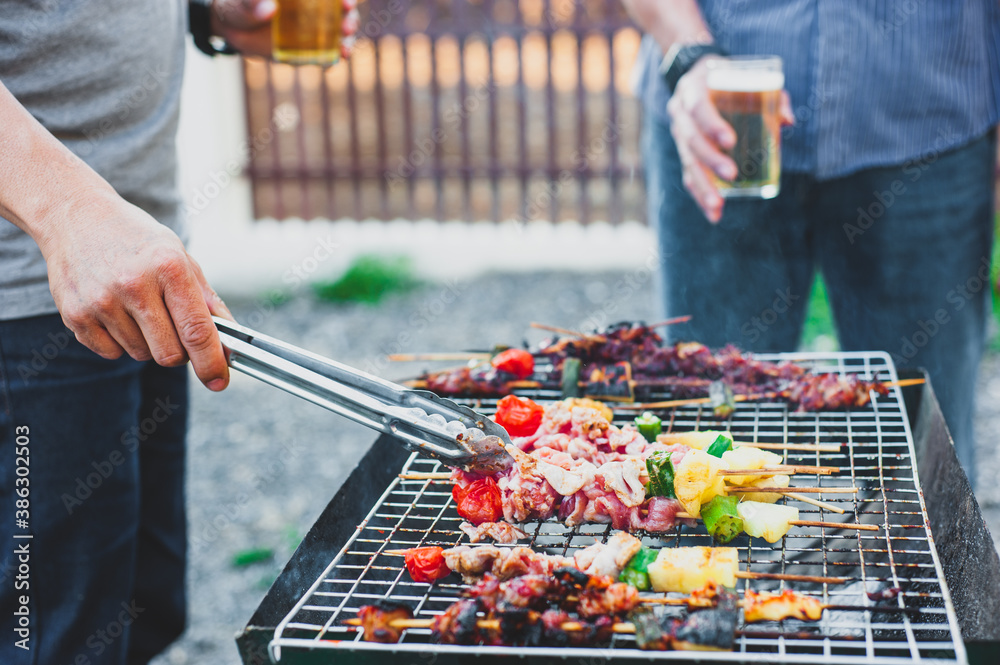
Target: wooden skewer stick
{"points": [[670, 322], [801, 447], [833, 525], [783, 469], [790, 490], [743, 575], [815, 502], [564, 331], [456, 355]]}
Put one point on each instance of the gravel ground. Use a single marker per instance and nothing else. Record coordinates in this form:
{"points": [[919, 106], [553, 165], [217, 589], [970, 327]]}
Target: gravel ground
{"points": [[262, 464]]}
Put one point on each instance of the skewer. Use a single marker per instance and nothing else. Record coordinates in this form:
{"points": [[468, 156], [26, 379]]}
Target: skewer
{"points": [[673, 403], [421, 384], [833, 525], [628, 627], [790, 470], [783, 469], [670, 322], [456, 355], [815, 502], [802, 447], [740, 574], [564, 331], [790, 490]]}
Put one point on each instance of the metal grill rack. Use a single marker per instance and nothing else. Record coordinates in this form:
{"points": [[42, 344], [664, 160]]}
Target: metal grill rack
{"points": [[876, 456]]}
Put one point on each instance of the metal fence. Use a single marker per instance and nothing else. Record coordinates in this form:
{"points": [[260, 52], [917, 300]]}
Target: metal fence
{"points": [[467, 109]]}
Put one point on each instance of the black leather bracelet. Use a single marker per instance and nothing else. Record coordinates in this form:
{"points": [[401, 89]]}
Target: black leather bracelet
{"points": [[200, 25], [680, 60]]}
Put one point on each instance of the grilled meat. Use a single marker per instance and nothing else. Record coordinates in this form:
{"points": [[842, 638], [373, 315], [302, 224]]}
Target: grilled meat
{"points": [[764, 606], [376, 620]]}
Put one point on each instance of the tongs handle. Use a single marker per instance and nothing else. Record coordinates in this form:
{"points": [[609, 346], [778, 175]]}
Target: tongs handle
{"points": [[417, 418]]}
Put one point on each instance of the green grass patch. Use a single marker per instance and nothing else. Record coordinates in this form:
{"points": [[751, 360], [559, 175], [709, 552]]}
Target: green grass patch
{"points": [[250, 557], [368, 279]]}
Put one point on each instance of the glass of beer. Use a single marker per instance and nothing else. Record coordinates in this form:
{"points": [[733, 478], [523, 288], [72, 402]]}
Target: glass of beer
{"points": [[747, 92], [307, 32]]}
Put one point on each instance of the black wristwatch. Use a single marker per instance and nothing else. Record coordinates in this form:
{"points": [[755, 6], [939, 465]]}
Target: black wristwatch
{"points": [[200, 25], [681, 58]]}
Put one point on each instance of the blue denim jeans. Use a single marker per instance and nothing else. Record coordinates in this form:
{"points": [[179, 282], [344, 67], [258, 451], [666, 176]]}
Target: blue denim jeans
{"points": [[106, 558], [904, 251]]}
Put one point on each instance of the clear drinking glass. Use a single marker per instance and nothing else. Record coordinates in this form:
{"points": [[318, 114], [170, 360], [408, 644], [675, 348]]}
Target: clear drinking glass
{"points": [[307, 32], [747, 92]]}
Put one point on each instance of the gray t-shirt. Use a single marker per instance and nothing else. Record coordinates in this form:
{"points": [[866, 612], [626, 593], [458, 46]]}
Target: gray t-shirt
{"points": [[104, 77]]}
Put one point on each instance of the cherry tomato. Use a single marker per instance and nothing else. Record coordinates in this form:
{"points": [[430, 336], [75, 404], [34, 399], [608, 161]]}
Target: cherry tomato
{"points": [[478, 501], [426, 564], [518, 362], [520, 417]]}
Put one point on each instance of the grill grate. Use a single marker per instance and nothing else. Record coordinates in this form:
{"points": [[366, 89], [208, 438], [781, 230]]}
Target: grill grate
{"points": [[878, 456]]}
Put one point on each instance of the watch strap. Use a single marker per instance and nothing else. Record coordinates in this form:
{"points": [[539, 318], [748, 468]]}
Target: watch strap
{"points": [[681, 58], [200, 26]]}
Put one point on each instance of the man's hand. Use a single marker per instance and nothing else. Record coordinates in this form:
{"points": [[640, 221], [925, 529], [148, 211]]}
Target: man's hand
{"points": [[702, 137], [123, 282], [246, 25]]}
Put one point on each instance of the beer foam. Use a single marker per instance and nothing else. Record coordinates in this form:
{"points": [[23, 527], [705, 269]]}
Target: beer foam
{"points": [[742, 80]]}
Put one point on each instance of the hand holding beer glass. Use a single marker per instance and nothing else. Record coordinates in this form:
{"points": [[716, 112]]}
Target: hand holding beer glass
{"points": [[726, 117]]}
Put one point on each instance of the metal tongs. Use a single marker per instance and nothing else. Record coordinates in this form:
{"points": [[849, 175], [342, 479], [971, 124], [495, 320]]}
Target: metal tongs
{"points": [[431, 425]]}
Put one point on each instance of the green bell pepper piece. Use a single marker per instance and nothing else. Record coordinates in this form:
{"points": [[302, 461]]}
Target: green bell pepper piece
{"points": [[721, 518], [636, 578], [723, 443], [649, 426], [661, 475]]}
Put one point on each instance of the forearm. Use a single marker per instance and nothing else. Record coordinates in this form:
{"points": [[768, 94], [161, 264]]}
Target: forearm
{"points": [[670, 21], [41, 182]]}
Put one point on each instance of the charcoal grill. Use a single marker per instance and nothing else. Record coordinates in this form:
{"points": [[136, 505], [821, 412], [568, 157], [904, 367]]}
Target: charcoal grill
{"points": [[342, 564]]}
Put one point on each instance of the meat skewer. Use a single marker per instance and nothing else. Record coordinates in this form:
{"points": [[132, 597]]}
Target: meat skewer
{"points": [[535, 610], [688, 369], [681, 569]]}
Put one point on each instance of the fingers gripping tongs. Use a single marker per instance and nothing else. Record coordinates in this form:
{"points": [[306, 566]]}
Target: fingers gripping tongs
{"points": [[431, 425]]}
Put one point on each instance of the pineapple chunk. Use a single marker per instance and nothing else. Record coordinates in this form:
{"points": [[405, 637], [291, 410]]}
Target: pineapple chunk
{"points": [[697, 480], [768, 521], [587, 403], [687, 569], [767, 481], [695, 440], [745, 457]]}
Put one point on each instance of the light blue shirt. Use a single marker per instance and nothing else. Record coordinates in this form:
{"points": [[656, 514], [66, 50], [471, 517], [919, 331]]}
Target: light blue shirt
{"points": [[872, 82]]}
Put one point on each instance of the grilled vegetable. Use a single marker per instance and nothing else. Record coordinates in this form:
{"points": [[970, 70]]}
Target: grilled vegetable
{"points": [[779, 480], [697, 440], [721, 399], [518, 362], [571, 377], [653, 630], [721, 519], [426, 564], [636, 572], [697, 480], [722, 444], [661, 475], [685, 569], [768, 521], [479, 501], [747, 457], [709, 630], [649, 425], [519, 416]]}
